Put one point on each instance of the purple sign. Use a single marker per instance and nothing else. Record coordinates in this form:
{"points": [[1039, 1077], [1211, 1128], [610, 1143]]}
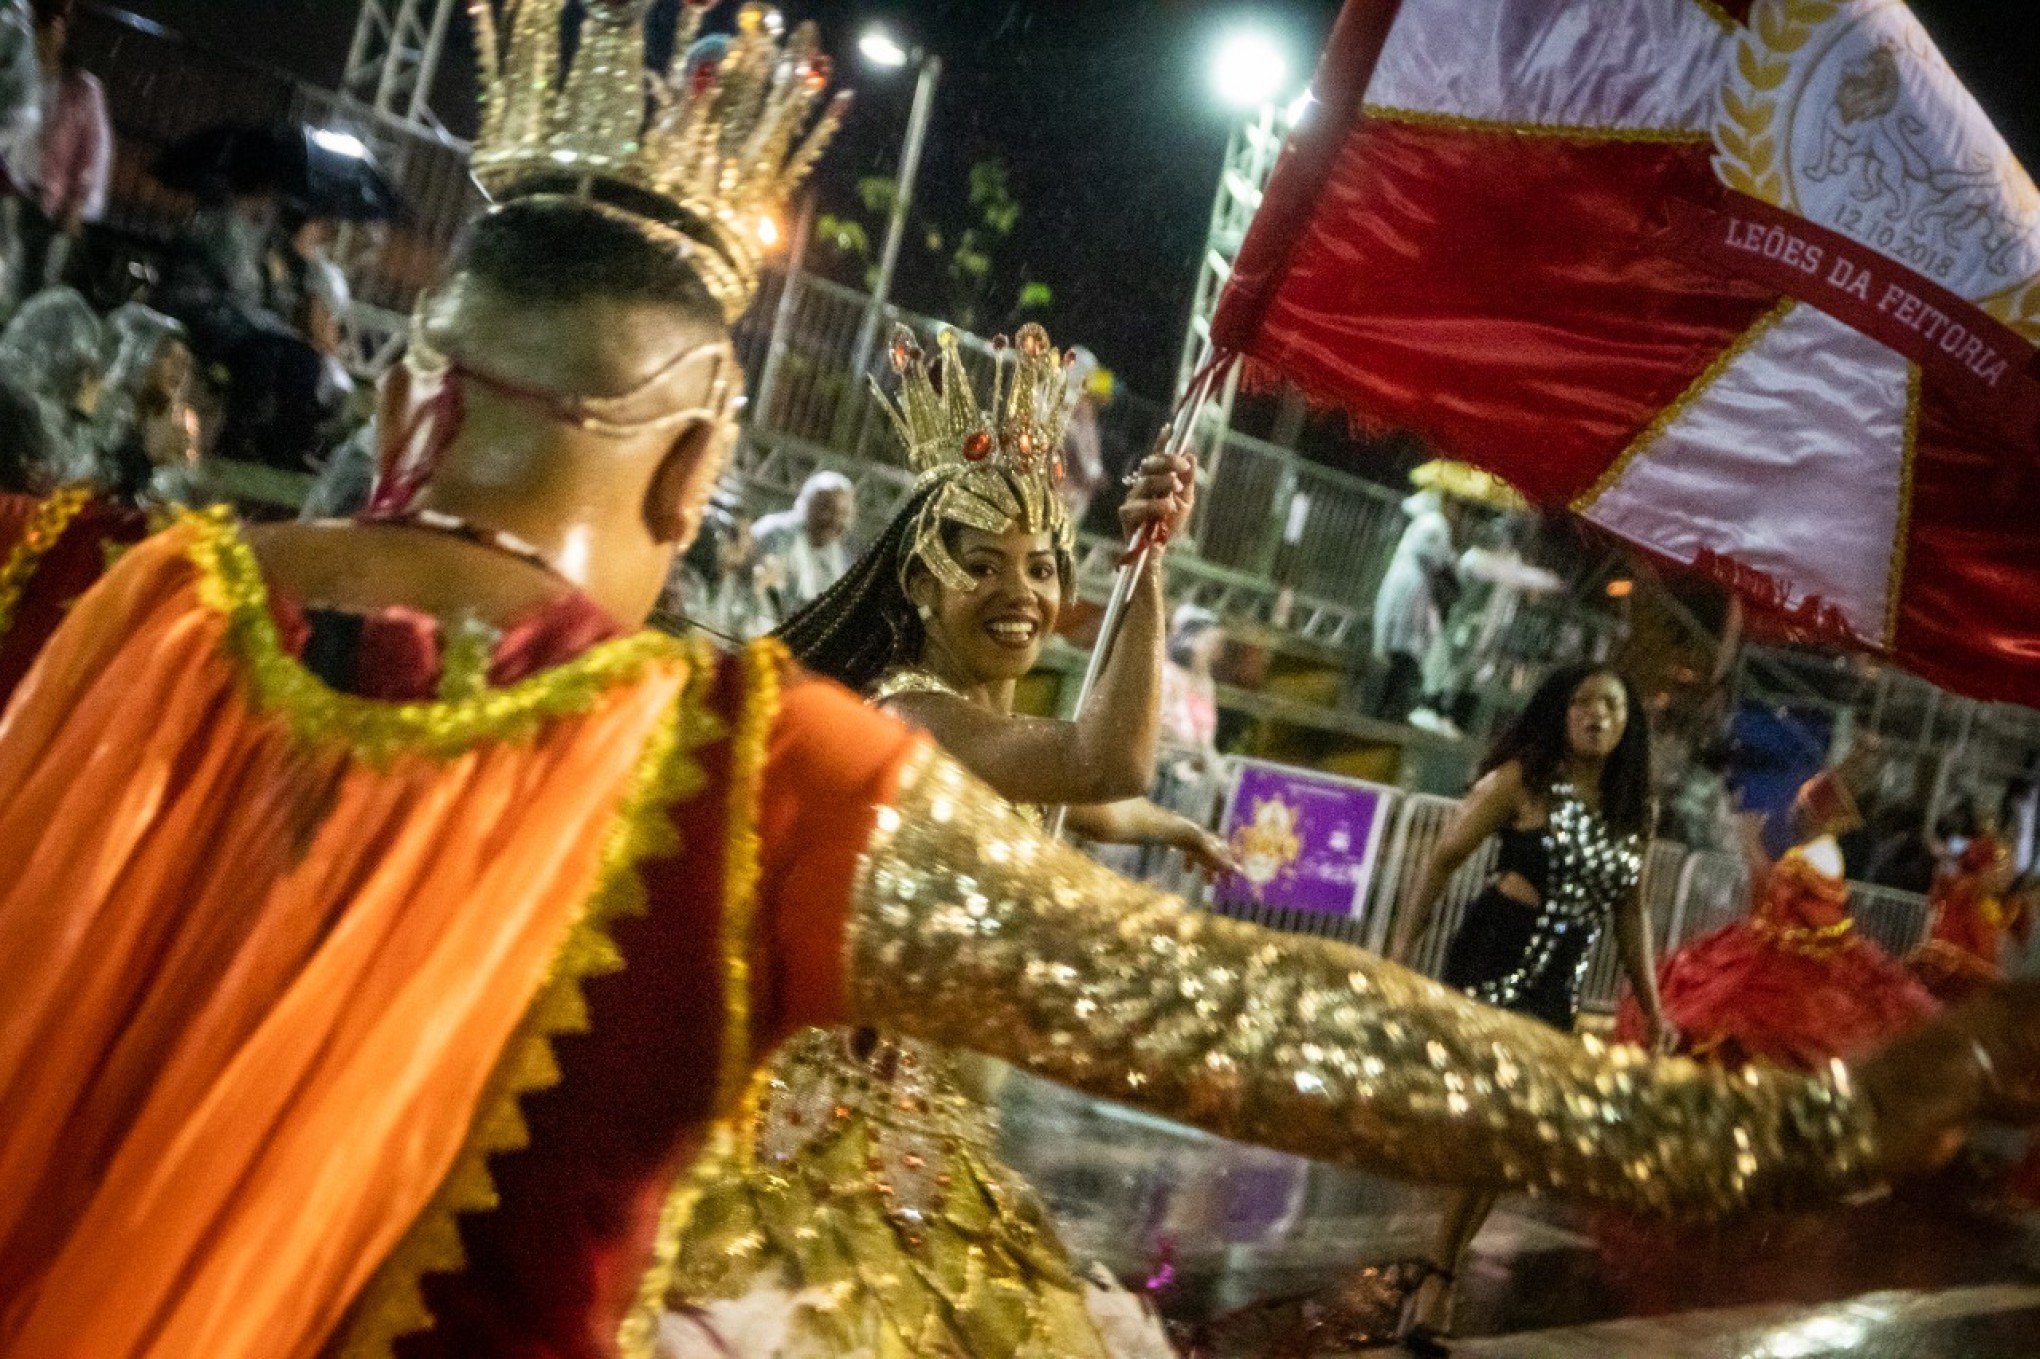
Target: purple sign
{"points": [[1306, 841]]}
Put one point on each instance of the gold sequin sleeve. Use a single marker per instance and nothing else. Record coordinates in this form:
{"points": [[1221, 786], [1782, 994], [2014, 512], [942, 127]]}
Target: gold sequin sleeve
{"points": [[969, 928]]}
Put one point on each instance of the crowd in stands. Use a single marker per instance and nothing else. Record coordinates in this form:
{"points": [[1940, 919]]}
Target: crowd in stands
{"points": [[221, 375]]}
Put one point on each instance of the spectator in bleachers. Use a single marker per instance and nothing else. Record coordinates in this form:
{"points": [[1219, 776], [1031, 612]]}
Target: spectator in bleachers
{"points": [[20, 134], [213, 274], [806, 549], [216, 281], [309, 291], [716, 583], [51, 366], [1189, 693], [145, 427], [66, 189], [1410, 605], [1083, 453], [342, 486], [1700, 814], [1473, 652]]}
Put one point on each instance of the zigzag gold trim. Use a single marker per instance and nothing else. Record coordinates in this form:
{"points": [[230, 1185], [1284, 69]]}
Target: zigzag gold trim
{"points": [[1662, 421], [1902, 540], [46, 524], [393, 1305], [1561, 131], [764, 661], [230, 582]]}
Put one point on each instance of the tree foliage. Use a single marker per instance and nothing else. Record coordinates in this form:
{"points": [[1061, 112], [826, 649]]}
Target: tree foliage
{"points": [[958, 260]]}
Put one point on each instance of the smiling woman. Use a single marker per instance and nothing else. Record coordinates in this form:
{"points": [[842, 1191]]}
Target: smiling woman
{"points": [[876, 1150]]}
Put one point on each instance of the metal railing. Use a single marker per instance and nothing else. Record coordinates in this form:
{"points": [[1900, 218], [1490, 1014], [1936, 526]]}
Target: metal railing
{"points": [[1283, 541], [1686, 894]]}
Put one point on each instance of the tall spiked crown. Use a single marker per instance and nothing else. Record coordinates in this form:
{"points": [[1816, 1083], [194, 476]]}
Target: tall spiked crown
{"points": [[998, 464], [704, 154]]}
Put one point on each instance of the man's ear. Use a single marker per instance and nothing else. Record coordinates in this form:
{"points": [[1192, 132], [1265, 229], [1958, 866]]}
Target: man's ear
{"points": [[685, 478]]}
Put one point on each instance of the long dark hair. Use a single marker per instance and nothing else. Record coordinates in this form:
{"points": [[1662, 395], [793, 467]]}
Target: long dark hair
{"points": [[1537, 741], [864, 625]]}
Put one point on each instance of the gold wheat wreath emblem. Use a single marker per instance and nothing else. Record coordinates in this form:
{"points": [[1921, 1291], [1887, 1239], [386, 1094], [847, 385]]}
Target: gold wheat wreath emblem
{"points": [[1753, 123], [1750, 141]]}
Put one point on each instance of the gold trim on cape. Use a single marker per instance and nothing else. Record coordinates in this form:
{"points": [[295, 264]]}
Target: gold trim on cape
{"points": [[764, 662], [230, 583], [46, 524], [393, 1305]]}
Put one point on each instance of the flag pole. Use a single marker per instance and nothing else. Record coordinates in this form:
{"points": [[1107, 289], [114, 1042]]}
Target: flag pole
{"points": [[1188, 412]]}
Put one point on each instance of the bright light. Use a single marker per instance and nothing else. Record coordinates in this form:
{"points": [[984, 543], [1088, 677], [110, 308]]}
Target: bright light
{"points": [[1621, 589], [1249, 69], [880, 48], [340, 143], [768, 233]]}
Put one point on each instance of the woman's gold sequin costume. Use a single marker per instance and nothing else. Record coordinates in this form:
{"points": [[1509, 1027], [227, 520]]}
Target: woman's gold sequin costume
{"points": [[862, 1179]]}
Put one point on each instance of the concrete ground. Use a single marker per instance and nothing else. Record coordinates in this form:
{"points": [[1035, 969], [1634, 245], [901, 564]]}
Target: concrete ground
{"points": [[1921, 1275]]}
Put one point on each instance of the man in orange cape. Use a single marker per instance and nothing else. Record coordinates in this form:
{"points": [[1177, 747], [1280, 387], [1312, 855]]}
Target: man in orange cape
{"points": [[390, 913]]}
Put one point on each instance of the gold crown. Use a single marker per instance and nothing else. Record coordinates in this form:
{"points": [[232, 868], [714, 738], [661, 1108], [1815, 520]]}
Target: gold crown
{"points": [[1000, 463], [703, 156], [1021, 429]]}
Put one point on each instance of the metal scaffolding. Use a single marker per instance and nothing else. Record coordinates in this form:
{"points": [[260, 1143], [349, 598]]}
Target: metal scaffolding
{"points": [[1250, 156], [394, 61], [384, 98], [1249, 161]]}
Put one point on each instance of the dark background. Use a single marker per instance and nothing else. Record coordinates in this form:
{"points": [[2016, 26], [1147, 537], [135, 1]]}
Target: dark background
{"points": [[1101, 110]]}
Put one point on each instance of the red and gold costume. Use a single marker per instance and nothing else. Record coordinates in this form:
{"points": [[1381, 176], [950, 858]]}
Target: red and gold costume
{"points": [[1794, 984], [1972, 918], [859, 1202], [51, 550], [368, 1026]]}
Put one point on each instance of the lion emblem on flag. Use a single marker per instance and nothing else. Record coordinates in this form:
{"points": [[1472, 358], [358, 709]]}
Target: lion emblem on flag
{"points": [[1844, 112]]}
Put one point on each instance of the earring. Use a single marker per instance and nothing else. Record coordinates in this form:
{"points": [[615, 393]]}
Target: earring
{"points": [[927, 614]]}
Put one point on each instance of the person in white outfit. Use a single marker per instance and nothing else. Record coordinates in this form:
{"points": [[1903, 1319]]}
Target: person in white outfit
{"points": [[1471, 651], [805, 550], [1409, 608]]}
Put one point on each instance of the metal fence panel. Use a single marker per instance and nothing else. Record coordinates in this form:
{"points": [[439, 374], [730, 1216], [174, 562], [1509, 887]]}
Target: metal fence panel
{"points": [[1412, 840], [1895, 921], [1686, 894], [1663, 861]]}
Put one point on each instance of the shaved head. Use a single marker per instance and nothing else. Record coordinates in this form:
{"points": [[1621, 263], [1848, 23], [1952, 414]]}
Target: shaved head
{"points": [[559, 296]]}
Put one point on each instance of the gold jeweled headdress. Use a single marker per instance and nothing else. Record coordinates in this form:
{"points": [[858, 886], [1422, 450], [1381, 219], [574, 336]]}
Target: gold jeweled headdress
{"points": [[702, 156], [999, 464]]}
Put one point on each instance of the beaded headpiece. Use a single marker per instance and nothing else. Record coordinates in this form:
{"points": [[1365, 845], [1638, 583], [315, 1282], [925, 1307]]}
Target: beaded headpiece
{"points": [[701, 157], [997, 466]]}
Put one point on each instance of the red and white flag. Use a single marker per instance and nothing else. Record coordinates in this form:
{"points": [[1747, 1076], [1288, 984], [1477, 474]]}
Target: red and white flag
{"points": [[1754, 286]]}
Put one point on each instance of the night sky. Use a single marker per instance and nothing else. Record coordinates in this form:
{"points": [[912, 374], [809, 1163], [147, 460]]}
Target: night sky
{"points": [[1102, 110]]}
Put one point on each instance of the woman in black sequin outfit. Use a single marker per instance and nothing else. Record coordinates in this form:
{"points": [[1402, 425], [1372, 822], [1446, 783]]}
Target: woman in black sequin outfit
{"points": [[1566, 789]]}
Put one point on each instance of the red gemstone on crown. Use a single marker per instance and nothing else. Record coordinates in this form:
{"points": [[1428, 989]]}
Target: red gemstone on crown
{"points": [[977, 446]]}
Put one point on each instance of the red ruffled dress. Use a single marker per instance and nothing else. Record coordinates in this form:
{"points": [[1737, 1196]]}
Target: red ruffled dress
{"points": [[1794, 984], [1972, 917]]}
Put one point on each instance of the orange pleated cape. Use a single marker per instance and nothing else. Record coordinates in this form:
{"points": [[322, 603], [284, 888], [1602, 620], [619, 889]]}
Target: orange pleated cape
{"points": [[275, 961]]}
